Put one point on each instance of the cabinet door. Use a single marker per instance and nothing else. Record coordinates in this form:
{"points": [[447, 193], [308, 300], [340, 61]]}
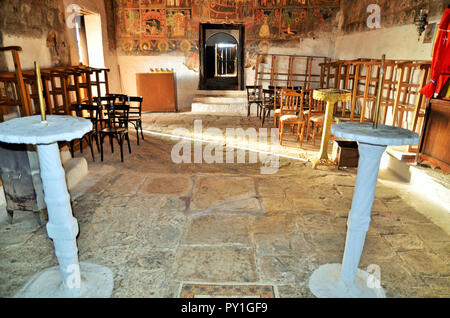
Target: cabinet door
{"points": [[158, 91], [435, 143]]}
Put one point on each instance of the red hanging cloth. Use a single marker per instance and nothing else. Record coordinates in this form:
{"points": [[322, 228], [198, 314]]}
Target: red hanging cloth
{"points": [[441, 58]]}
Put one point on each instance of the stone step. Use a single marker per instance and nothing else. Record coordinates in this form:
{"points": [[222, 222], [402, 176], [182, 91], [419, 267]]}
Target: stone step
{"points": [[219, 100], [237, 109], [76, 169], [423, 186], [228, 93]]}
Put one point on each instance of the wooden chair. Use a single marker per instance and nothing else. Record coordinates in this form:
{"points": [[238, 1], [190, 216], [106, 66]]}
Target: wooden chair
{"points": [[314, 115], [268, 102], [117, 127], [135, 115], [118, 98], [291, 114], [254, 96], [276, 104], [93, 114], [14, 85], [276, 100], [103, 102]]}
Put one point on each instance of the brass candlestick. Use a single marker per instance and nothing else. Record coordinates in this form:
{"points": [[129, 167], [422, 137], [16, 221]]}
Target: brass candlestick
{"points": [[39, 89], [379, 93]]}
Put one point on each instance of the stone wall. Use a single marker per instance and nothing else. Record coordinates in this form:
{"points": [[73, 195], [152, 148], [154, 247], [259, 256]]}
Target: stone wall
{"points": [[396, 36], [39, 27], [104, 9], [393, 13]]}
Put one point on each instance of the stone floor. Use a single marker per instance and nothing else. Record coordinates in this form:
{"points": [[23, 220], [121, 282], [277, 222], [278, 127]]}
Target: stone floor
{"points": [[157, 224]]}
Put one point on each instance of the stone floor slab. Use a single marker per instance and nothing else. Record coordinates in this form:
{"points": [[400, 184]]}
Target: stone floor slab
{"points": [[216, 264]]}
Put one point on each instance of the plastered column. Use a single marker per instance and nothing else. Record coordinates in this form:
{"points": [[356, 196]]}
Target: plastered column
{"points": [[70, 278], [359, 217], [62, 227], [346, 279]]}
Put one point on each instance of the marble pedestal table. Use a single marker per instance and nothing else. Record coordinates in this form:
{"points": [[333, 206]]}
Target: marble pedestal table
{"points": [[346, 280], [331, 96], [70, 278]]}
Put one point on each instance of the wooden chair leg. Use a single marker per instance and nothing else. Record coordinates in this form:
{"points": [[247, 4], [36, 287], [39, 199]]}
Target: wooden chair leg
{"points": [[128, 141], [140, 125], [307, 131], [102, 137], [120, 140], [111, 143], [314, 134], [90, 141], [137, 132], [302, 134], [281, 132], [96, 142], [71, 146]]}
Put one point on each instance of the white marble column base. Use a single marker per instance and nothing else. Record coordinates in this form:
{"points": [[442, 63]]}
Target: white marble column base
{"points": [[326, 282], [96, 282]]}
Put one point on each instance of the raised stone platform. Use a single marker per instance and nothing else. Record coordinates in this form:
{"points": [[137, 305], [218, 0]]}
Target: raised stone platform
{"points": [[226, 102]]}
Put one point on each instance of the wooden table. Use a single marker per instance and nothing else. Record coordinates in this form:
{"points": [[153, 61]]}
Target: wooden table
{"points": [[331, 96]]}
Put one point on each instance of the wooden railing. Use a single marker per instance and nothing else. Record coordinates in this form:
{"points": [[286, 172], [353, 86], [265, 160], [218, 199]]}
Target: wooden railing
{"points": [[401, 103]]}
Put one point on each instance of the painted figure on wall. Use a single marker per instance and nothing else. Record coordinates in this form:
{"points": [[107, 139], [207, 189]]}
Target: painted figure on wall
{"points": [[178, 21], [131, 22], [153, 22], [264, 31]]}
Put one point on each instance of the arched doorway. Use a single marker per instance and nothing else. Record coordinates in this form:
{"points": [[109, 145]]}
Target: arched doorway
{"points": [[221, 57]]}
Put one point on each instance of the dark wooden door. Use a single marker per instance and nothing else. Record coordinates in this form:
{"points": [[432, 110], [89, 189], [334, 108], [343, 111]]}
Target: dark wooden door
{"points": [[208, 74]]}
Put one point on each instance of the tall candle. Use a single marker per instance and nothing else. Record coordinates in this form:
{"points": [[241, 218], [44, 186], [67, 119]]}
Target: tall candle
{"points": [[39, 89], [380, 92]]}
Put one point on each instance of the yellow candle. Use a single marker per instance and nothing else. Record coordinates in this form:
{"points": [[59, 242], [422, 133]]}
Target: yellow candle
{"points": [[39, 89], [379, 93]]}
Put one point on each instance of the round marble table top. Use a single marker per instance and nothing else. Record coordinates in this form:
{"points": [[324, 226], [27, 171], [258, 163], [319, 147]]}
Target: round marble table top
{"points": [[31, 130], [382, 135]]}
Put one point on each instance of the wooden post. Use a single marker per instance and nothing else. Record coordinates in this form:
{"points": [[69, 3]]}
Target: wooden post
{"points": [[258, 58], [380, 92], [272, 70], [420, 98], [398, 95], [25, 109], [355, 91], [291, 66]]}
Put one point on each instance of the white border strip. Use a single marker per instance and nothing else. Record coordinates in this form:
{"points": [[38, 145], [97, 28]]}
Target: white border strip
{"points": [[231, 146]]}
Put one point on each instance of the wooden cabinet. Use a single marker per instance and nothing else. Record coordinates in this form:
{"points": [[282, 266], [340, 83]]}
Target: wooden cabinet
{"points": [[434, 148], [158, 90]]}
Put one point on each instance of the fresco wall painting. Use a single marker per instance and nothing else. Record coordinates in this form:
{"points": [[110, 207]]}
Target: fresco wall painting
{"points": [[150, 27]]}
